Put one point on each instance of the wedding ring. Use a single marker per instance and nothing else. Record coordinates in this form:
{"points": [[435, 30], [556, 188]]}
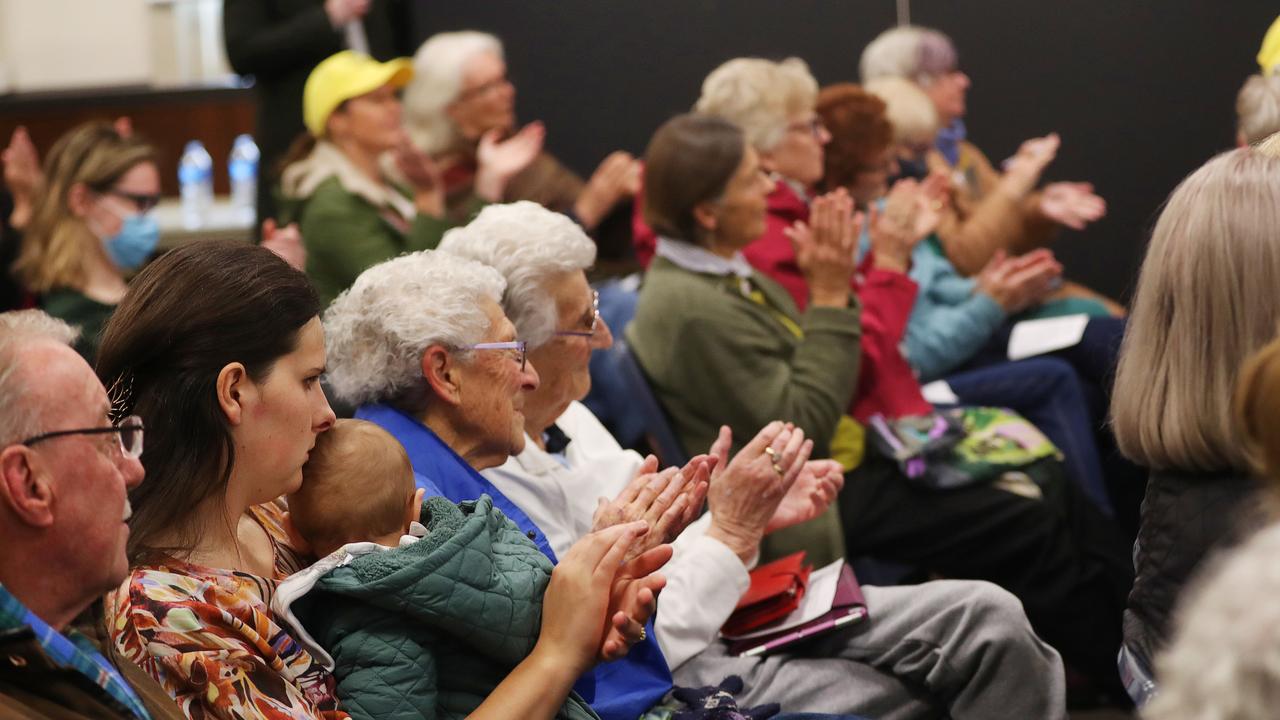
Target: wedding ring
{"points": [[644, 634], [778, 469], [773, 454]]}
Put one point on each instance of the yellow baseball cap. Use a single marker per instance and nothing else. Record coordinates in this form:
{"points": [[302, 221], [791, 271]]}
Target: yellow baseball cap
{"points": [[338, 78], [1269, 55]]}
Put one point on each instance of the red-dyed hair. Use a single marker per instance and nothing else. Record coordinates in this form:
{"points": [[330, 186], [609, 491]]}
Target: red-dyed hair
{"points": [[860, 132]]}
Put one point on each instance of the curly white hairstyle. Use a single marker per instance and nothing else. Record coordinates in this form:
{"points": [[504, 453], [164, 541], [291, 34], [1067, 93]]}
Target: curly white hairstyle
{"points": [[1224, 660], [377, 330], [760, 96], [529, 245], [911, 52], [17, 330], [437, 79]]}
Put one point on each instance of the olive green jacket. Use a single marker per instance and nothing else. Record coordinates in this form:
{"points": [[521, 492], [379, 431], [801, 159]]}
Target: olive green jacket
{"points": [[349, 222], [716, 357]]}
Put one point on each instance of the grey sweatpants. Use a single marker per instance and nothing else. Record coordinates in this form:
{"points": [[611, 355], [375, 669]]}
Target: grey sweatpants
{"points": [[951, 648]]}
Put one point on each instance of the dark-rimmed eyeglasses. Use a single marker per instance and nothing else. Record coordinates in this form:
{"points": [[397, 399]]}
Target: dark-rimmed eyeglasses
{"points": [[144, 203], [519, 349], [129, 431], [595, 320]]}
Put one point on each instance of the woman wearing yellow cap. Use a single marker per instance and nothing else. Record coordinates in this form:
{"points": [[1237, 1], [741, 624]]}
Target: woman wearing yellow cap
{"points": [[340, 189]]}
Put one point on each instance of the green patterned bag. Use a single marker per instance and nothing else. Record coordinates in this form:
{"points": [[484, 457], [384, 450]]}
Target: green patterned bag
{"points": [[960, 446]]}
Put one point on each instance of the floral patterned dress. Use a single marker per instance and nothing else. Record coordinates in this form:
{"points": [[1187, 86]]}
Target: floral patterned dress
{"points": [[208, 637]]}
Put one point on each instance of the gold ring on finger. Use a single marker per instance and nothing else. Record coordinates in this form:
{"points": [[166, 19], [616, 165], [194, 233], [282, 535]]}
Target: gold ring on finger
{"points": [[644, 634], [778, 469], [773, 454]]}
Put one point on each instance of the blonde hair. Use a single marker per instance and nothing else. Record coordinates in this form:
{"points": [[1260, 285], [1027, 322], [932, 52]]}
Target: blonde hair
{"points": [[1223, 661], [1257, 404], [56, 242], [356, 487], [1205, 299], [438, 66], [760, 96], [1258, 107], [909, 109]]}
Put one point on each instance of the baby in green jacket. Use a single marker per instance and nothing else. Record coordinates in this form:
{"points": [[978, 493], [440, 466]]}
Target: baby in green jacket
{"points": [[433, 620]]}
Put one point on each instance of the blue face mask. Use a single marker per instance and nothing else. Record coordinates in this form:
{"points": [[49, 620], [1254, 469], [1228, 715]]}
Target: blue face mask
{"points": [[128, 249]]}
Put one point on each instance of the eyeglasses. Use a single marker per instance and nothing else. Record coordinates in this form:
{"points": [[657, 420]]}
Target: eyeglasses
{"points": [[519, 346], [813, 126], [595, 320], [129, 431], [144, 203], [483, 89]]}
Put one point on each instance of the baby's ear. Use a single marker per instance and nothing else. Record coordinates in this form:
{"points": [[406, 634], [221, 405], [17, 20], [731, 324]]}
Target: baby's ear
{"points": [[296, 540], [414, 512]]}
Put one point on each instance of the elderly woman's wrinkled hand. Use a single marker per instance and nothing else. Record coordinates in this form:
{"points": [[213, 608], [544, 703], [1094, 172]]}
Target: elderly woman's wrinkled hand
{"points": [[422, 174], [825, 248], [1018, 283], [819, 482], [1022, 171], [596, 604], [617, 177], [744, 497], [497, 161], [666, 501], [1072, 204]]}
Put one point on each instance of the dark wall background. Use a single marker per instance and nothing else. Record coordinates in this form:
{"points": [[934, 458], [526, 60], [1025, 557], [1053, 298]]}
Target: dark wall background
{"points": [[1142, 92]]}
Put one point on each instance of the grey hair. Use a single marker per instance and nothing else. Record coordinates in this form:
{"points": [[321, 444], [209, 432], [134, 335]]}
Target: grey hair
{"points": [[437, 79], [1258, 108], [911, 52], [759, 96], [1205, 301], [1223, 662], [18, 329], [529, 245], [377, 330]]}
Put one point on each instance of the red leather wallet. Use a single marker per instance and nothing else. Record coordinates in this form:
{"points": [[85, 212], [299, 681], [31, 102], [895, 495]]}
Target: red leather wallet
{"points": [[776, 590]]}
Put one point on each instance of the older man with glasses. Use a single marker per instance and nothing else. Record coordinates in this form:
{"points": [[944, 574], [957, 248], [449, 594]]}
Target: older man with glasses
{"points": [[65, 471]]}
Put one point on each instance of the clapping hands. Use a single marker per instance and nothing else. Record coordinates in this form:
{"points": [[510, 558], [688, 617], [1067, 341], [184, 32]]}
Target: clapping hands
{"points": [[500, 160], [825, 248]]}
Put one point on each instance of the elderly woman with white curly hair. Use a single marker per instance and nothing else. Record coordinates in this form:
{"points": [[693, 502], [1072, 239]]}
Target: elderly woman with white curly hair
{"points": [[421, 344], [461, 93], [570, 464]]}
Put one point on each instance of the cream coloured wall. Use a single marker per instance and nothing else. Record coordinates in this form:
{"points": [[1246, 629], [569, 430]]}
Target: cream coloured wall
{"points": [[64, 44]]}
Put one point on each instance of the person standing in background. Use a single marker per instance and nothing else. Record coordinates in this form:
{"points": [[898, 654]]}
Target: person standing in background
{"points": [[278, 42]]}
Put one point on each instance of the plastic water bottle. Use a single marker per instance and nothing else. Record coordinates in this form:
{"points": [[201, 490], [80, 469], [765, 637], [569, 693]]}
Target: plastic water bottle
{"points": [[242, 168], [195, 180]]}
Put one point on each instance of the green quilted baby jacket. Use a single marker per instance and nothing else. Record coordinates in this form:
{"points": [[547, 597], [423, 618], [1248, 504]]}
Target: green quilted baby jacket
{"points": [[428, 630]]}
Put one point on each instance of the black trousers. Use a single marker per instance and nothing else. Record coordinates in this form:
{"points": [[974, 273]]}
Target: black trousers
{"points": [[1066, 561]]}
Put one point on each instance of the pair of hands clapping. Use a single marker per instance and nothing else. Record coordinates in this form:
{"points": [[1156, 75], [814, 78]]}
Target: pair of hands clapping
{"points": [[1073, 204], [604, 590], [497, 161]]}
